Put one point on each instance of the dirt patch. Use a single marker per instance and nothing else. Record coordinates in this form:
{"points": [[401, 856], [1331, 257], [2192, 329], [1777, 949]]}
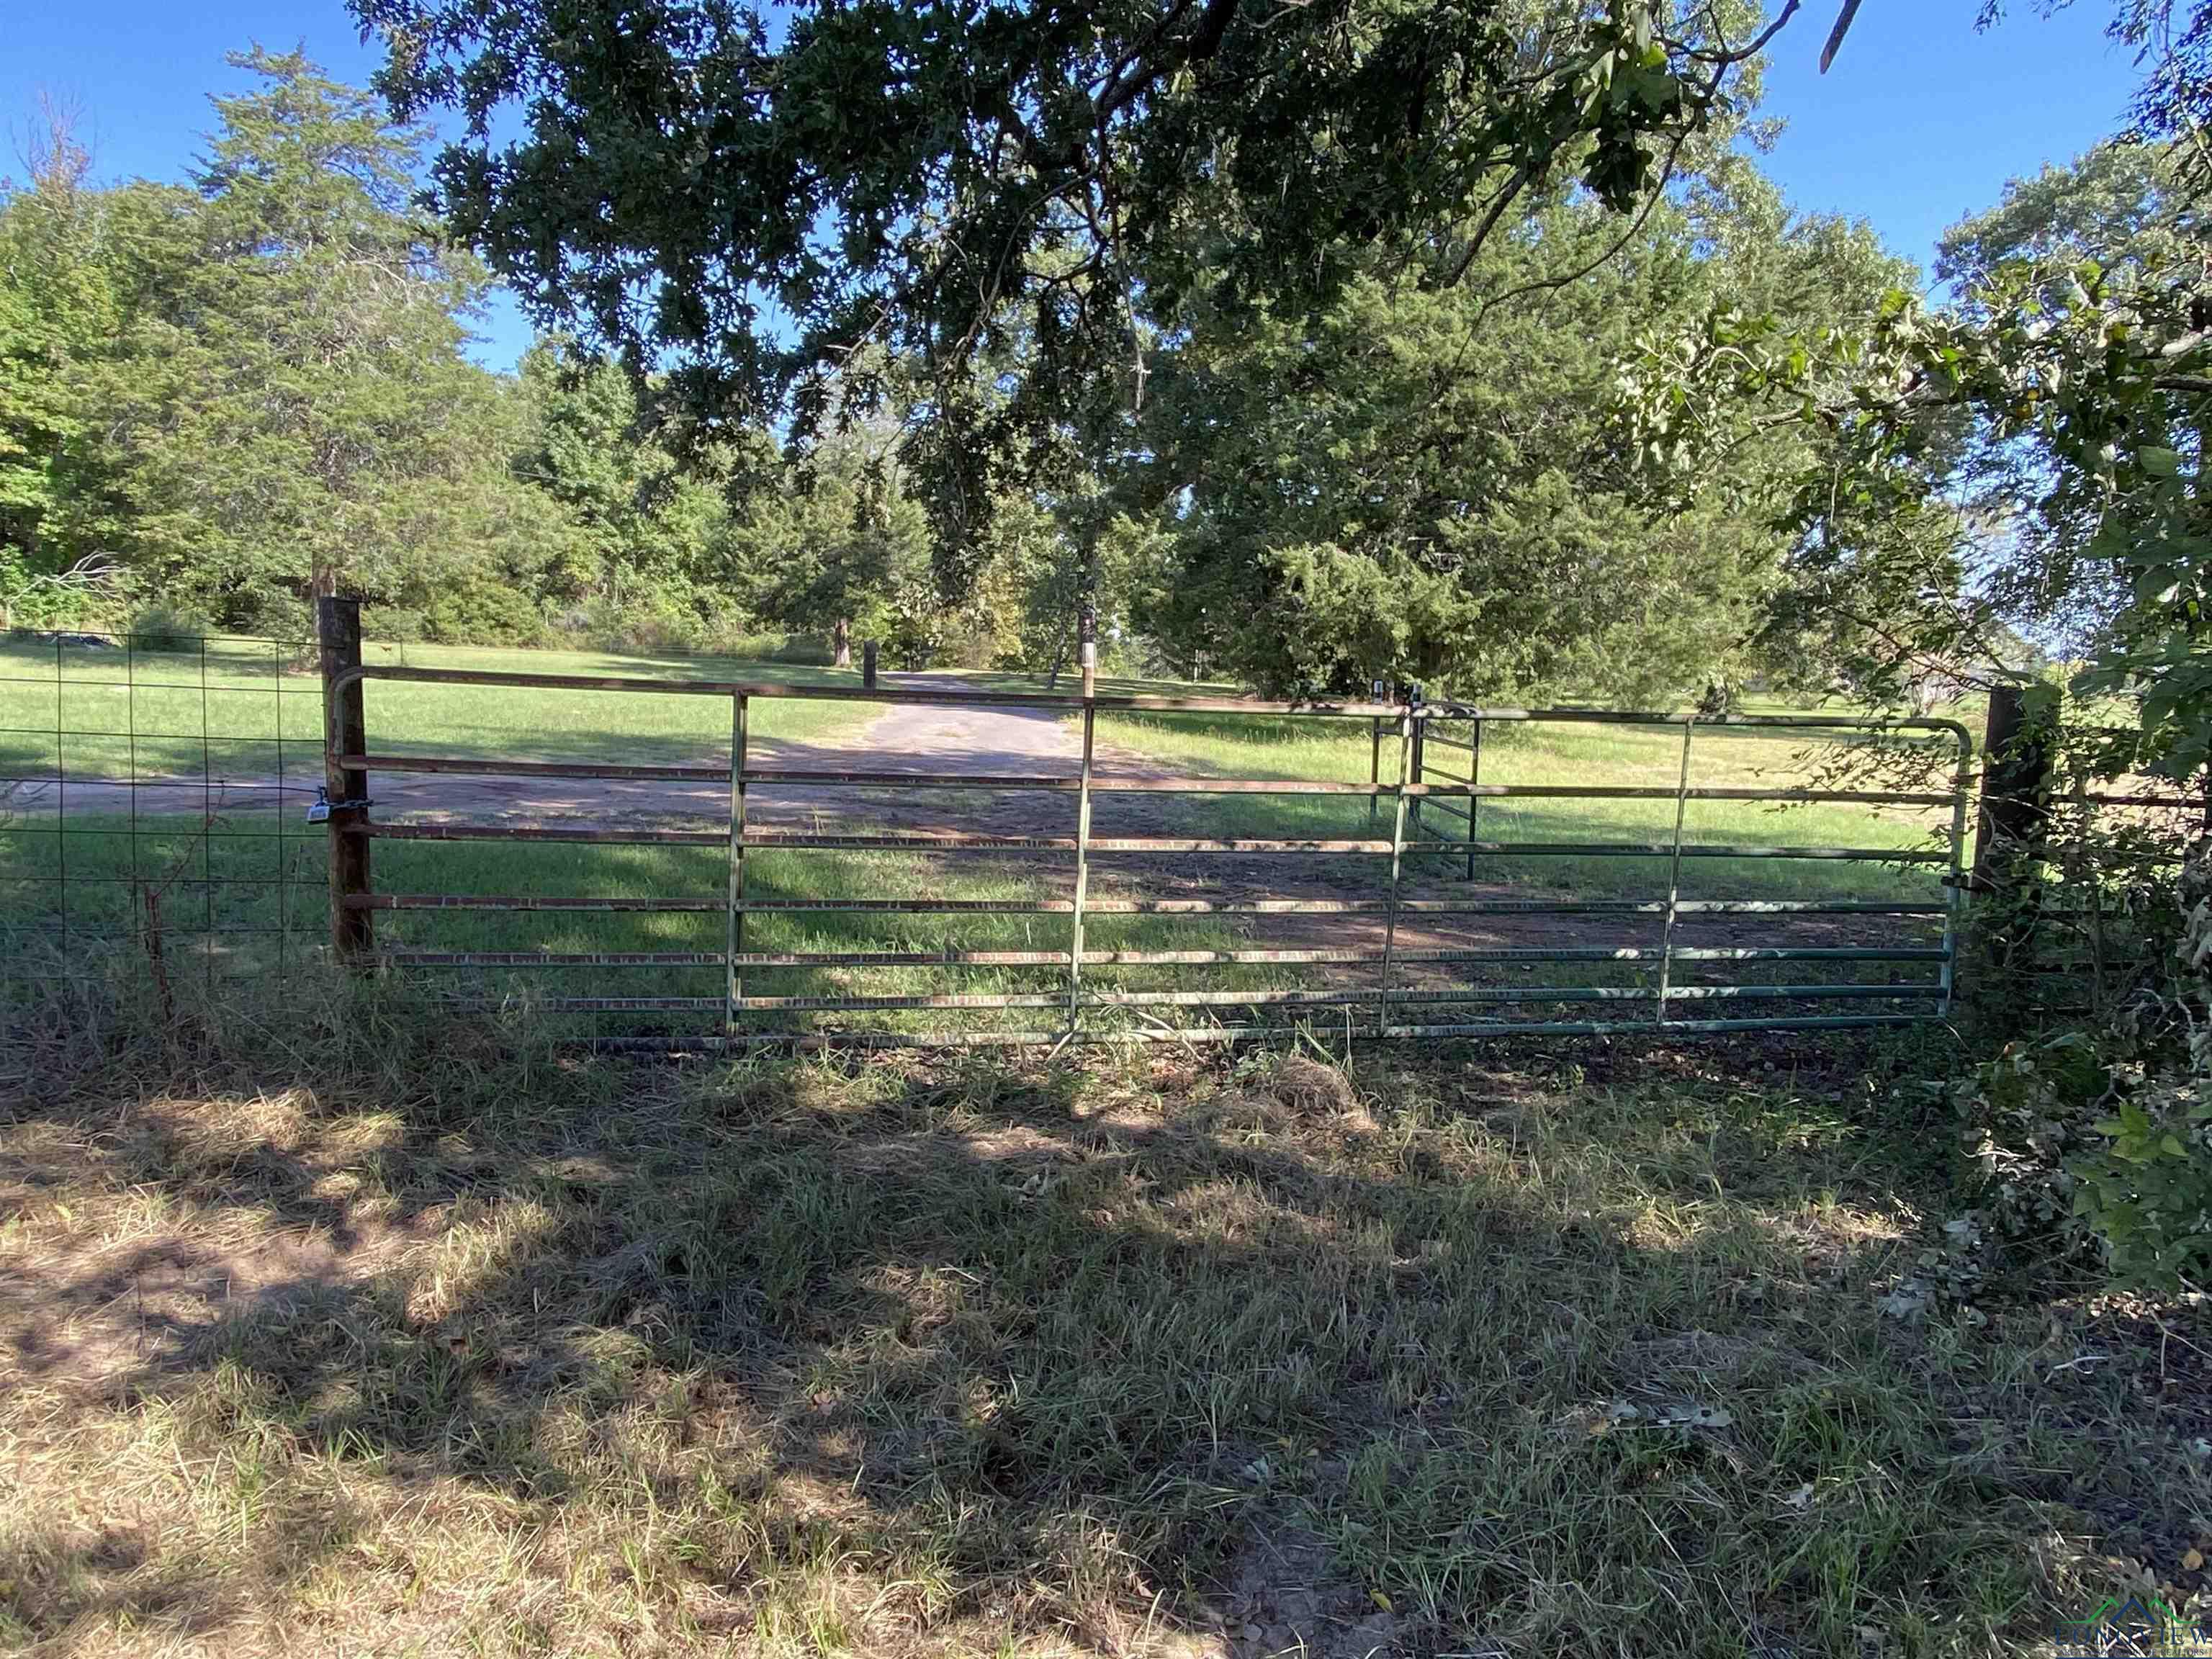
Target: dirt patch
{"points": [[1285, 1597]]}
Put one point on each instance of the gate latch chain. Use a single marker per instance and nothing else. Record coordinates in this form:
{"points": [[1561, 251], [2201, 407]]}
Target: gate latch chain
{"points": [[323, 806]]}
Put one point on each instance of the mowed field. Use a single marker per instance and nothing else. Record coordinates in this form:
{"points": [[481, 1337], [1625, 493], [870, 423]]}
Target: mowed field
{"points": [[217, 830]]}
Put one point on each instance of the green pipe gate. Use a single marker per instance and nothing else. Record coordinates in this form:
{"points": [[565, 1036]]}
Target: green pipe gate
{"points": [[1381, 987]]}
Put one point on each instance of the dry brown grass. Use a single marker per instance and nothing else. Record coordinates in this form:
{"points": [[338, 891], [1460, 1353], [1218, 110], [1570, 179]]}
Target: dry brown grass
{"points": [[437, 1343]]}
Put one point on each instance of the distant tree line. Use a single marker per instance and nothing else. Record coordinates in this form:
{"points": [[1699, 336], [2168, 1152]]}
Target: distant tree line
{"points": [[221, 398], [218, 400]]}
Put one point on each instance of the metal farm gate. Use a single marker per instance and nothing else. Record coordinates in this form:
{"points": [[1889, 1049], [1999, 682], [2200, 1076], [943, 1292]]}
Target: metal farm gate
{"points": [[1815, 935]]}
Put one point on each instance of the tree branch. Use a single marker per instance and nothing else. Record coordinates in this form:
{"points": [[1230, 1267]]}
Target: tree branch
{"points": [[1205, 40]]}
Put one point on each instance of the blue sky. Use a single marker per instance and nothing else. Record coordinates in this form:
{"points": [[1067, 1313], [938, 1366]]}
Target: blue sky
{"points": [[1920, 121]]}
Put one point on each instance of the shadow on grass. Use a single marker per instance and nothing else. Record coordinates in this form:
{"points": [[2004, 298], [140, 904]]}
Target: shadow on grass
{"points": [[904, 1358]]}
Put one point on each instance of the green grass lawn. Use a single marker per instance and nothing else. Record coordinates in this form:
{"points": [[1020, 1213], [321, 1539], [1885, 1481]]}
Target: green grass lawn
{"points": [[1557, 754], [349, 1329]]}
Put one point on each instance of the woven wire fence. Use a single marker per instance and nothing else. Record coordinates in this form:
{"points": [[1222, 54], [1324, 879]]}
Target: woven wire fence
{"points": [[2087, 913], [155, 793]]}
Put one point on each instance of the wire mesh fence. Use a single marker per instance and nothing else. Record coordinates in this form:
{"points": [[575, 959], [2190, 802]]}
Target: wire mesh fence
{"points": [[152, 797], [2081, 867]]}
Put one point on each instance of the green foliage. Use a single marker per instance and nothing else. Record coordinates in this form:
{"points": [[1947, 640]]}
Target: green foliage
{"points": [[2025, 1114], [301, 417], [1423, 483], [224, 401], [759, 194], [2064, 393], [2096, 1140], [2148, 1190], [2146, 1185], [165, 627], [642, 522]]}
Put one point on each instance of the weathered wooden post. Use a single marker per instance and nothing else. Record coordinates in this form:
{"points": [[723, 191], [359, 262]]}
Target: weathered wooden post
{"points": [[1088, 634], [868, 665], [2010, 828], [2016, 781], [345, 789]]}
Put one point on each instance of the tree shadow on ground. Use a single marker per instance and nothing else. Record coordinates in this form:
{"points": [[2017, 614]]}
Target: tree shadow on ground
{"points": [[1228, 1359]]}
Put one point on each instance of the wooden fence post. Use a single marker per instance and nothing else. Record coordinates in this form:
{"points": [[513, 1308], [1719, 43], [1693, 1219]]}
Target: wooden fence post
{"points": [[2009, 831], [2015, 782], [346, 732], [868, 665]]}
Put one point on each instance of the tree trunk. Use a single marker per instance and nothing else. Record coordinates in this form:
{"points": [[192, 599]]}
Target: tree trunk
{"points": [[1059, 656], [841, 643]]}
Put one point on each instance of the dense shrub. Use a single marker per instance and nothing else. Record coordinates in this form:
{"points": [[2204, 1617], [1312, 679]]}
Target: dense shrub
{"points": [[165, 627], [483, 613], [2094, 1140]]}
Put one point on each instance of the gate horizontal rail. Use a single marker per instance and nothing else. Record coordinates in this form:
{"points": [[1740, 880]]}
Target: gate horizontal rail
{"points": [[351, 760]]}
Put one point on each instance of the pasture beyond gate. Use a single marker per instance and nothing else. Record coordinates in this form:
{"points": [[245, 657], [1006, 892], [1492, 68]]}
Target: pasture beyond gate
{"points": [[978, 863]]}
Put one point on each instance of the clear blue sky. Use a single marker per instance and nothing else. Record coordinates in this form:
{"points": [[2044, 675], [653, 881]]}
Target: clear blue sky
{"points": [[1920, 121]]}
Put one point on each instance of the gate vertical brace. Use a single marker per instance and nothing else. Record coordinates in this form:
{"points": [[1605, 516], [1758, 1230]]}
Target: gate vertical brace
{"points": [[1406, 739], [1420, 771], [1082, 842], [1674, 874], [733, 931], [283, 800], [346, 732], [1374, 761], [61, 795], [1962, 784], [1475, 786]]}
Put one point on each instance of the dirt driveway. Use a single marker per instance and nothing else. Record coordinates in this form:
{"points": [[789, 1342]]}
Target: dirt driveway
{"points": [[909, 737]]}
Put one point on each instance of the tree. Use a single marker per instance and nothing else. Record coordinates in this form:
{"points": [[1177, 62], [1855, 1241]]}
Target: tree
{"points": [[299, 415], [76, 265], [841, 548], [2070, 383], [759, 195], [645, 523], [1425, 485], [2123, 207]]}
